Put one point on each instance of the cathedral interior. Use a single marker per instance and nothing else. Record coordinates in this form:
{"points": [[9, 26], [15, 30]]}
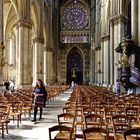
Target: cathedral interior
{"points": [[90, 42]]}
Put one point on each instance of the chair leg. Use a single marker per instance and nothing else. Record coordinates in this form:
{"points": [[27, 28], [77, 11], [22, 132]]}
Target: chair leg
{"points": [[18, 119], [7, 128], [2, 130]]}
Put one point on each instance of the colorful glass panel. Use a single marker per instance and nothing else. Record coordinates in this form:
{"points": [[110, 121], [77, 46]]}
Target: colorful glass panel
{"points": [[75, 17]]}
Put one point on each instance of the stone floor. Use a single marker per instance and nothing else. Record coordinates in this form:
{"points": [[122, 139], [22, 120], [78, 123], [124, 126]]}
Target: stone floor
{"points": [[39, 131]]}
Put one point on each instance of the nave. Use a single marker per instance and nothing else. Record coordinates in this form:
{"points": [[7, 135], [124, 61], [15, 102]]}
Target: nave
{"points": [[29, 131], [92, 109]]}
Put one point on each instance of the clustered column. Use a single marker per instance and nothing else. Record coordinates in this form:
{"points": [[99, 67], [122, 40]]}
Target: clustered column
{"points": [[38, 58], [23, 62], [134, 20]]}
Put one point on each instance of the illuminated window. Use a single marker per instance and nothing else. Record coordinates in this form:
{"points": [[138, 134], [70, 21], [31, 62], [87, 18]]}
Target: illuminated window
{"points": [[75, 16], [11, 49]]}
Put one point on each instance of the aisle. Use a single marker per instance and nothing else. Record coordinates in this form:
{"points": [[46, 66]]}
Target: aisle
{"points": [[39, 131]]}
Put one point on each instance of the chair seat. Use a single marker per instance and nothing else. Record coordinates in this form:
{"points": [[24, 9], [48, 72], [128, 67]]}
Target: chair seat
{"points": [[135, 125], [62, 135], [5, 121], [95, 136], [120, 137]]}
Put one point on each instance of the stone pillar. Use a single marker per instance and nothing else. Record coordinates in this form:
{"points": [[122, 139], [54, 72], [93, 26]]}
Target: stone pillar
{"points": [[134, 20], [17, 53], [138, 22], [119, 26], [45, 65], [24, 52], [1, 39], [111, 50], [1, 20], [38, 59], [106, 63], [92, 65]]}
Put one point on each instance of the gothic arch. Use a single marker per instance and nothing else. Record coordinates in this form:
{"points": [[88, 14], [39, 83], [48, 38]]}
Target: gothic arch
{"points": [[75, 65], [10, 21], [15, 5], [35, 15]]}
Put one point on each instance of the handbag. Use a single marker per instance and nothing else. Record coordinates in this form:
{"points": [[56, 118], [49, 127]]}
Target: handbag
{"points": [[39, 99]]}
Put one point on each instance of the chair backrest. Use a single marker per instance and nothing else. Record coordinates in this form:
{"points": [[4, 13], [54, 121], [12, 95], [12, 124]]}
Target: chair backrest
{"points": [[134, 132], [92, 120], [66, 119], [60, 128], [69, 109], [95, 132], [133, 114], [108, 113], [120, 123], [4, 110]]}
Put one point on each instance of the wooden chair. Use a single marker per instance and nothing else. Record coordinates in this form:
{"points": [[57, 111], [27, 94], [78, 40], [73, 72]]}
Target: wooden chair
{"points": [[61, 133], [132, 134], [93, 120], [133, 114], [120, 124], [69, 109], [27, 107], [66, 119], [4, 119], [108, 113], [16, 111], [95, 133], [88, 110]]}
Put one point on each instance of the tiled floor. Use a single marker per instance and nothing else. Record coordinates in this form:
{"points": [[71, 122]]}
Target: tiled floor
{"points": [[39, 131]]}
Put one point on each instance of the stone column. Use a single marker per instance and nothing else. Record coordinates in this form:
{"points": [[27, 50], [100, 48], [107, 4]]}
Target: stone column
{"points": [[134, 20], [92, 65], [24, 52], [106, 60], [111, 52], [119, 23], [17, 53], [38, 59], [138, 22], [1, 40], [45, 65], [1, 21]]}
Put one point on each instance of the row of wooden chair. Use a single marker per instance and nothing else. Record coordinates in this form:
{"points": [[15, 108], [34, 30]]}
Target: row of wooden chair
{"points": [[17, 103], [82, 104]]}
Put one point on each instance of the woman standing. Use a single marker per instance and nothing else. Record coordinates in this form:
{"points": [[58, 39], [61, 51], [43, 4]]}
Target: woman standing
{"points": [[39, 98]]}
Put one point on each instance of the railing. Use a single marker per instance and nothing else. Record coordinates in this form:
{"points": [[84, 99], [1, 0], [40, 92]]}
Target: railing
{"points": [[135, 76]]}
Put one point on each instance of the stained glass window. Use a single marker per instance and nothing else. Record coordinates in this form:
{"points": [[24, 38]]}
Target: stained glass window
{"points": [[75, 16]]}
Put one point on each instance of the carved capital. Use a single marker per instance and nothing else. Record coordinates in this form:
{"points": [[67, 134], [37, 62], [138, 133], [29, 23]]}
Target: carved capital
{"points": [[24, 23], [121, 17], [105, 37], [39, 40]]}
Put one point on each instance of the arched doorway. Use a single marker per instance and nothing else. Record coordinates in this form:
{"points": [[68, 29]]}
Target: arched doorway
{"points": [[74, 67]]}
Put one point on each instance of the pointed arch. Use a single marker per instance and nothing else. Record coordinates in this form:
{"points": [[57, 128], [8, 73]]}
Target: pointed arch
{"points": [[10, 21], [75, 66], [15, 4], [35, 15]]}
